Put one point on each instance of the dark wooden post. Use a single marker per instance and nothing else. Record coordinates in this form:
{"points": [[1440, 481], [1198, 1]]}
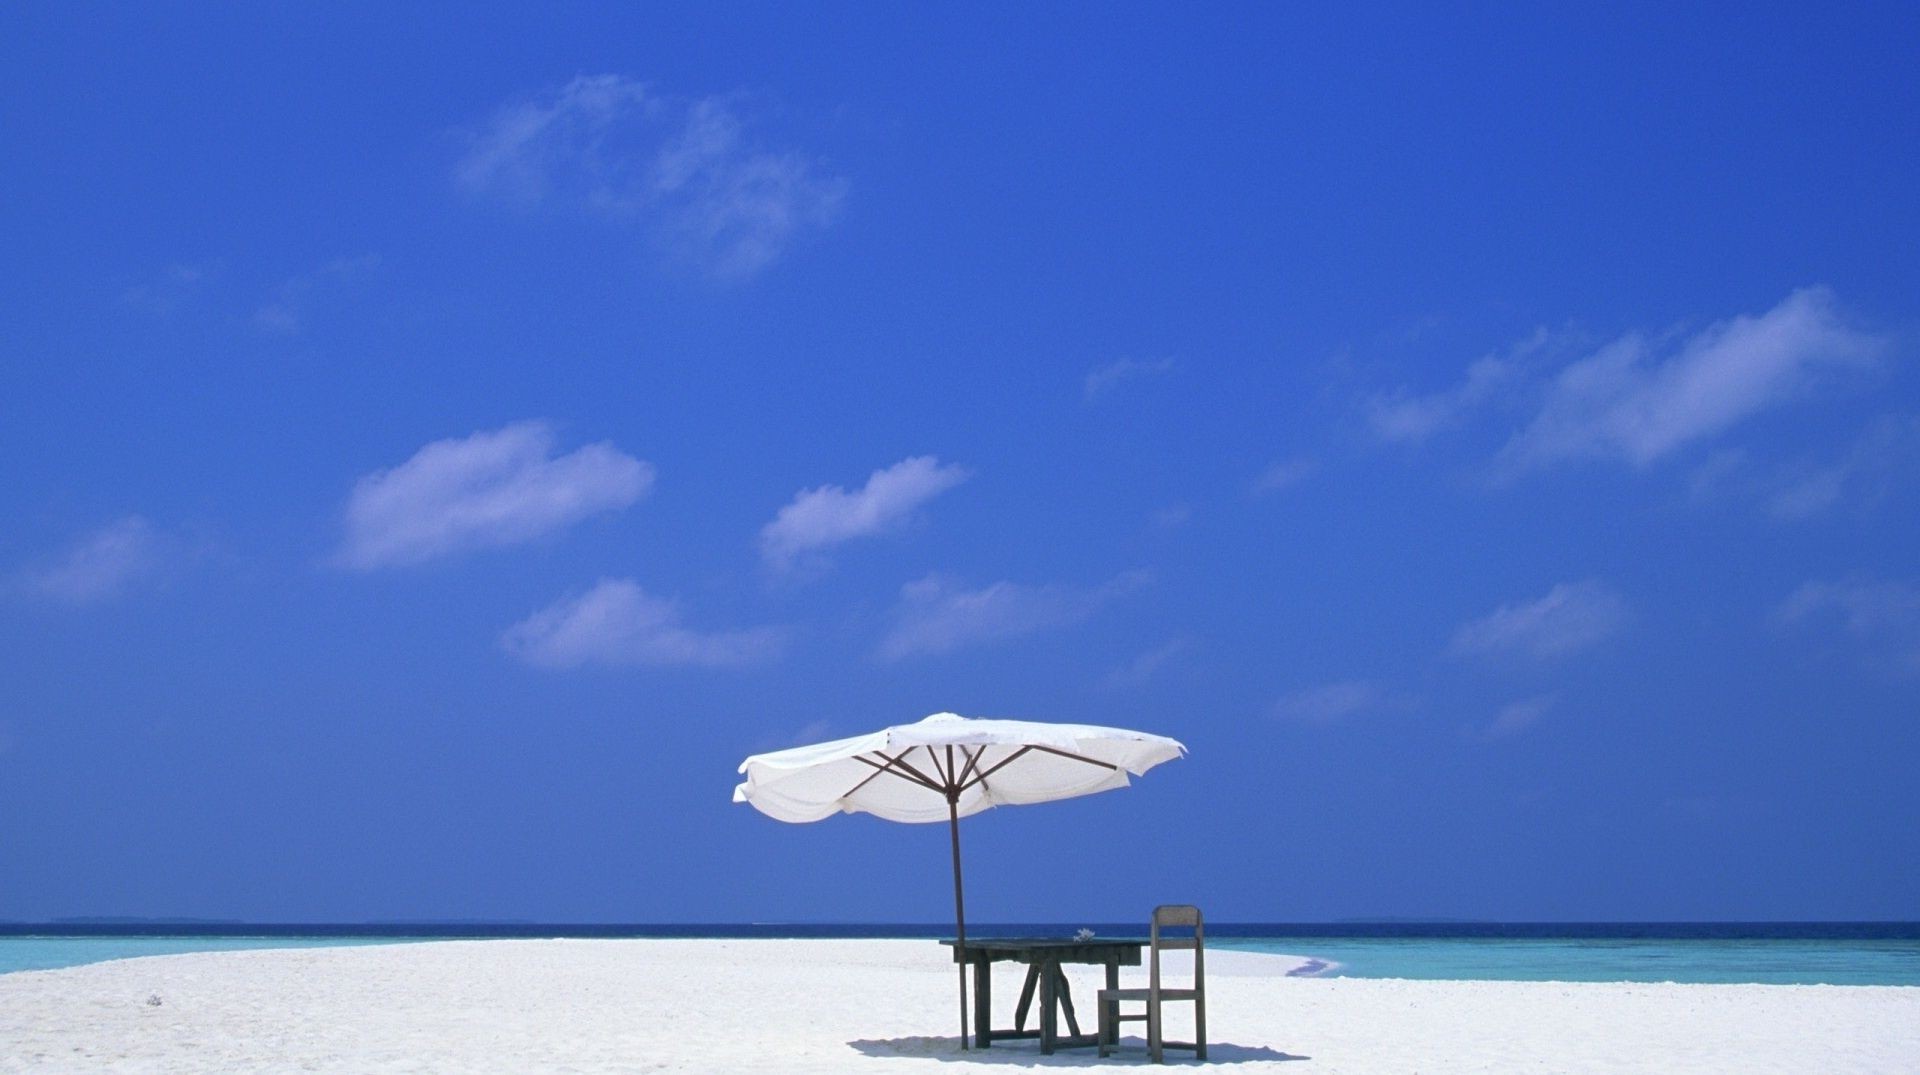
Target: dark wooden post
{"points": [[982, 1004], [959, 901]]}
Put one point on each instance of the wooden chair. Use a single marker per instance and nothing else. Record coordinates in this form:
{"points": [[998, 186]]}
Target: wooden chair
{"points": [[1177, 915]]}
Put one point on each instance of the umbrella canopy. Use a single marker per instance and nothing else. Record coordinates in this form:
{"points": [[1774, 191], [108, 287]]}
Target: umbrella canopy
{"points": [[1000, 762], [944, 768]]}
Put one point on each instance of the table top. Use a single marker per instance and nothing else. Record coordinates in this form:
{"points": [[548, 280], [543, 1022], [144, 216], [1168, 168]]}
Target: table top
{"points": [[1063, 949]]}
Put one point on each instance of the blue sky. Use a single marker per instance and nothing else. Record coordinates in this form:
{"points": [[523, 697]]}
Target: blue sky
{"points": [[439, 447]]}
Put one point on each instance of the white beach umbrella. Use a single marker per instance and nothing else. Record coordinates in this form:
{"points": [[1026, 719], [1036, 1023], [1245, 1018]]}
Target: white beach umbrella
{"points": [[944, 768]]}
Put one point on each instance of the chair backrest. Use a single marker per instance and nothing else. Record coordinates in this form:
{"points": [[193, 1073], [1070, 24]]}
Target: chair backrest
{"points": [[1178, 915]]}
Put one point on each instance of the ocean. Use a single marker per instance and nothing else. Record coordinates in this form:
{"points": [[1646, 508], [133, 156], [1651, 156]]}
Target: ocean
{"points": [[1794, 953]]}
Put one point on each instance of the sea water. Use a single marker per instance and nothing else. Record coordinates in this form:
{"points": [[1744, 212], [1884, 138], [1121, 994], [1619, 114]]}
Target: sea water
{"points": [[18, 953], [1767, 961], [1770, 953]]}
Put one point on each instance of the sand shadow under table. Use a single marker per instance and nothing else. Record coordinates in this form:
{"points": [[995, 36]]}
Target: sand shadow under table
{"points": [[1025, 1054]]}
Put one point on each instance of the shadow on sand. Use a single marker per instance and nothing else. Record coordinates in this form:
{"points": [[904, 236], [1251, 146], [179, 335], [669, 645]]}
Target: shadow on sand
{"points": [[1027, 1054]]}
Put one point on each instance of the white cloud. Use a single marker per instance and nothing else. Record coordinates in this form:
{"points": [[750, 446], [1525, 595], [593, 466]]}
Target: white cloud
{"points": [[1405, 418], [1880, 458], [1336, 702], [1640, 397], [1866, 606], [1281, 475], [1148, 664], [286, 313], [578, 141], [1572, 616], [818, 519], [936, 615], [616, 623], [101, 564], [1809, 490], [1636, 400], [499, 487], [1519, 716], [174, 287], [1100, 381], [684, 168], [1883, 615]]}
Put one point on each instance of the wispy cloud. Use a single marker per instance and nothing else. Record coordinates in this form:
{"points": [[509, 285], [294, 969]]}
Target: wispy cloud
{"points": [[286, 313], [1333, 703], [498, 487], [1517, 717], [1865, 605], [1099, 382], [1882, 615], [616, 623], [820, 518], [1148, 664], [172, 288], [1283, 474], [938, 615], [1637, 399], [1881, 457], [101, 564], [1810, 489], [1572, 616], [683, 168], [1408, 418]]}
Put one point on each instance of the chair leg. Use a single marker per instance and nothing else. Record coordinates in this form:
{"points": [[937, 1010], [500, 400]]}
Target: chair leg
{"points": [[1200, 1025], [1154, 1049]]}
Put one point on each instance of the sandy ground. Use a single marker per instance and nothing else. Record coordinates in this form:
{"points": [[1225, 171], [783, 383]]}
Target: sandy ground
{"points": [[879, 1006]]}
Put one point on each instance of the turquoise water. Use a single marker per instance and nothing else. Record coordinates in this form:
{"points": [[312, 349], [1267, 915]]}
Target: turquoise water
{"points": [[1770, 961], [1822, 960], [49, 953]]}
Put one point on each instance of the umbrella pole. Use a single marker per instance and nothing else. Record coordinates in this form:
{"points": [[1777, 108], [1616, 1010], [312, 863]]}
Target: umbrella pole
{"points": [[959, 913]]}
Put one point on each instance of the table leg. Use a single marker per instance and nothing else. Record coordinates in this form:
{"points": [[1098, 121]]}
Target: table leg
{"points": [[1026, 997], [982, 1003], [1049, 1021], [1065, 994], [1111, 1009]]}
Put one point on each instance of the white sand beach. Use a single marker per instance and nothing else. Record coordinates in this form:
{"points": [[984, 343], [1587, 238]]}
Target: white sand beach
{"points": [[873, 1005]]}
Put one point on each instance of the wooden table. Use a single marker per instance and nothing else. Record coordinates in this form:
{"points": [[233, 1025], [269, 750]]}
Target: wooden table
{"points": [[1043, 957]]}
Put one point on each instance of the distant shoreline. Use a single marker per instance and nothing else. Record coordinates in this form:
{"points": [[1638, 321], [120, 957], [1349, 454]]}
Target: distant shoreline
{"points": [[103, 926]]}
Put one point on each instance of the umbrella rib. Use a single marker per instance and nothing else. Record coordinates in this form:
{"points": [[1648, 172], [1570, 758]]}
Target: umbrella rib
{"points": [[875, 775], [973, 760], [997, 766], [924, 778], [1077, 757], [904, 771]]}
